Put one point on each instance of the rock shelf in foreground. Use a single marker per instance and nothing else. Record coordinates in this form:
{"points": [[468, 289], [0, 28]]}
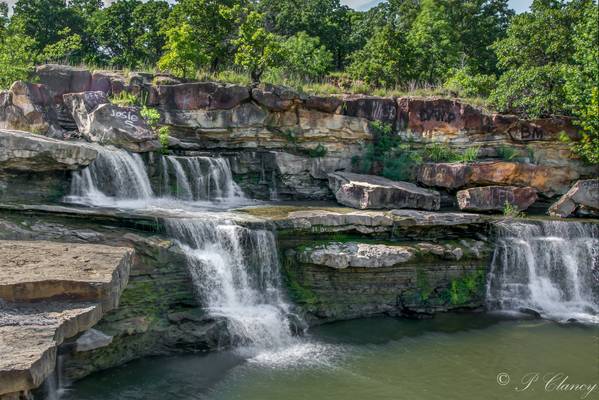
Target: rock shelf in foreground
{"points": [[50, 292]]}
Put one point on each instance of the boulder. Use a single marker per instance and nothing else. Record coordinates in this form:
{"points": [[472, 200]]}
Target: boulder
{"points": [[61, 79], [372, 192], [327, 104], [29, 107], [81, 105], [109, 124], [108, 82], [581, 200], [274, 97], [356, 255], [494, 198], [199, 96], [546, 179], [370, 107], [23, 151]]}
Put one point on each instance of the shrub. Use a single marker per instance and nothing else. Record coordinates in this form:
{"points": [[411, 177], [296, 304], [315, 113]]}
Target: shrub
{"points": [[163, 136], [466, 84], [124, 99], [318, 151], [507, 153], [469, 155], [439, 152], [151, 115], [512, 211]]}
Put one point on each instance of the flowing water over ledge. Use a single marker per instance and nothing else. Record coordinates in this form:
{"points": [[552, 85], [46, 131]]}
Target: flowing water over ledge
{"points": [[449, 357]]}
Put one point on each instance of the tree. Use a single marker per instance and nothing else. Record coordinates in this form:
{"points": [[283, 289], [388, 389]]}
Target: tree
{"points": [[536, 55], [3, 17], [384, 60], [478, 24], [212, 27], [42, 20], [17, 57], [326, 19], [256, 48], [582, 83], [434, 42], [148, 20], [64, 48], [183, 55], [303, 56]]}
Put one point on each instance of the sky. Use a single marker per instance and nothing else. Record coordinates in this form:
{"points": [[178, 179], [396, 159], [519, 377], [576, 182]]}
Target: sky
{"points": [[518, 5]]}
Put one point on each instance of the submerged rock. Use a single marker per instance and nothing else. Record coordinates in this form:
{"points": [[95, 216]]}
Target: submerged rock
{"points": [[369, 191], [494, 198], [581, 200]]}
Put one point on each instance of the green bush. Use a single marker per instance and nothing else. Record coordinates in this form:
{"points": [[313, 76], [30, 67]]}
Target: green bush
{"points": [[465, 84], [124, 99], [151, 115], [507, 153], [512, 211], [163, 136], [439, 152], [318, 151]]}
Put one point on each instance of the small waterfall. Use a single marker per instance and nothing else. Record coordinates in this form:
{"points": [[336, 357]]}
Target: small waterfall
{"points": [[120, 178], [199, 178], [235, 271], [115, 174], [551, 267]]}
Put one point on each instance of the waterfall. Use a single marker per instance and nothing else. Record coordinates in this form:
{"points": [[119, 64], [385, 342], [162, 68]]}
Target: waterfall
{"points": [[114, 175], [200, 178], [120, 178], [235, 271], [551, 267]]}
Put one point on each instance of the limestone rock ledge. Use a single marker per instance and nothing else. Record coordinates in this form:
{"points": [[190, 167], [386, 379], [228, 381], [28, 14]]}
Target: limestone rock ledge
{"points": [[49, 292]]}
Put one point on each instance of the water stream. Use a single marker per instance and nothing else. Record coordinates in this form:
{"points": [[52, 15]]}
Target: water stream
{"points": [[551, 267]]}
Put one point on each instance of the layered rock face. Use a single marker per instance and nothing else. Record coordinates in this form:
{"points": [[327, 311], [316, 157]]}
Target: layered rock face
{"points": [[157, 312], [400, 262], [50, 292], [368, 191], [581, 200], [283, 142], [35, 168], [495, 198], [546, 179]]}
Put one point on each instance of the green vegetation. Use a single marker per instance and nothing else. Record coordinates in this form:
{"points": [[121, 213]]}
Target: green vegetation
{"points": [[507, 153], [124, 99], [512, 211], [538, 63], [466, 289]]}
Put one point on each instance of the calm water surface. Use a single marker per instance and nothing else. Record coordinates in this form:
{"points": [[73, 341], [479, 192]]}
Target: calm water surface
{"points": [[448, 357]]}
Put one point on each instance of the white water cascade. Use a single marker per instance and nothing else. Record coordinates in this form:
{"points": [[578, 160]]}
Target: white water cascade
{"points": [[119, 178], [199, 178], [551, 267], [235, 271]]}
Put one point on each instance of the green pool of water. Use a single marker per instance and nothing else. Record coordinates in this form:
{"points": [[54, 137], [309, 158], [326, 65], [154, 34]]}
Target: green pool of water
{"points": [[448, 357]]}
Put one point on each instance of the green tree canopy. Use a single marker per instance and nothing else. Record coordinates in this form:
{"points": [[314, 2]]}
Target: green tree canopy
{"points": [[304, 56]]}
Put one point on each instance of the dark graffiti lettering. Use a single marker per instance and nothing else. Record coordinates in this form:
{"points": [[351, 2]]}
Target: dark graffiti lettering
{"points": [[531, 133], [437, 115]]}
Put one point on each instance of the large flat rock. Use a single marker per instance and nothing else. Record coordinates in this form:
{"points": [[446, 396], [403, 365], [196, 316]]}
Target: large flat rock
{"points": [[23, 151], [33, 271], [48, 292], [375, 192]]}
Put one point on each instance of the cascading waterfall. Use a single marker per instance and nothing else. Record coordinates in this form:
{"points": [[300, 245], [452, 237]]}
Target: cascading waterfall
{"points": [[115, 174], [199, 178], [235, 271], [551, 267], [120, 178]]}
